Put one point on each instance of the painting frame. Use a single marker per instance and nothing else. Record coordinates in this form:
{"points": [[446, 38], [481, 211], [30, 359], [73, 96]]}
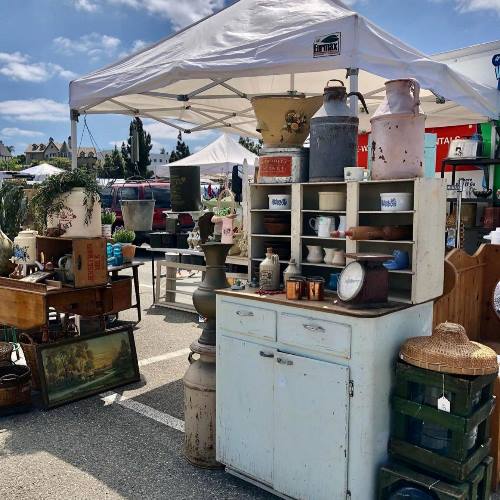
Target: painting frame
{"points": [[128, 375]]}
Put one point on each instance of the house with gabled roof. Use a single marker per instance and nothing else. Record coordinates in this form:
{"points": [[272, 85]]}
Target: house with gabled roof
{"points": [[38, 152], [5, 153]]}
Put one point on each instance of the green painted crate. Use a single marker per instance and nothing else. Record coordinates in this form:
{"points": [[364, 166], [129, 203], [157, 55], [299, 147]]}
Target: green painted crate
{"points": [[466, 394], [476, 487], [437, 464], [443, 433]]}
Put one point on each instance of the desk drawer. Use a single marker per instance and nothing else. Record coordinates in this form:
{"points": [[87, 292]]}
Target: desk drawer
{"points": [[315, 334], [247, 319]]}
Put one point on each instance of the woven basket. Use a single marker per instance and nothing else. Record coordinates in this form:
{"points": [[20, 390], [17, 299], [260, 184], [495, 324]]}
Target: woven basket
{"points": [[449, 350], [6, 349]]}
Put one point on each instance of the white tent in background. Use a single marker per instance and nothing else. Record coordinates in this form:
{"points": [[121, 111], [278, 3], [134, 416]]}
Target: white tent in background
{"points": [[206, 74], [42, 171], [218, 157]]}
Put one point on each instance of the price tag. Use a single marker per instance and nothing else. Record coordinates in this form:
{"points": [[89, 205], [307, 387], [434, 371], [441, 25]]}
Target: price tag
{"points": [[443, 404]]}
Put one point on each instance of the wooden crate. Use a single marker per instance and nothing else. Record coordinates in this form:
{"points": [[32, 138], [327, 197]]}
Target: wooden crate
{"points": [[466, 394], [121, 293], [408, 414], [89, 257], [475, 487], [437, 464]]}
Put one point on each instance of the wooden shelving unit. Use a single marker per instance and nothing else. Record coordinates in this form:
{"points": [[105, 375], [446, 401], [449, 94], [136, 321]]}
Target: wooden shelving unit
{"points": [[423, 281]]}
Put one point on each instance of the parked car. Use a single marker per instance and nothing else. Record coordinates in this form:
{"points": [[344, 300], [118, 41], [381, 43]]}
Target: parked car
{"points": [[160, 191]]}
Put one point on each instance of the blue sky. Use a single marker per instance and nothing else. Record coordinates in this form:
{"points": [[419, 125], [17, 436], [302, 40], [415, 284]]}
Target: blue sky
{"points": [[45, 43]]}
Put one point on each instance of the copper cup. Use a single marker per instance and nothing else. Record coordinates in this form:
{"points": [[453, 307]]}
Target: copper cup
{"points": [[303, 281], [316, 288], [294, 288]]}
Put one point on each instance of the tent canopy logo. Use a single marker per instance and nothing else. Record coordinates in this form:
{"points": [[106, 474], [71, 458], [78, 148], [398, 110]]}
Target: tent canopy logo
{"points": [[496, 62], [328, 45]]}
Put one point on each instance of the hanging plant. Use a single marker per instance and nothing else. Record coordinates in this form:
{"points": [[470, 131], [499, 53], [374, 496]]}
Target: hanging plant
{"points": [[12, 207], [48, 200]]}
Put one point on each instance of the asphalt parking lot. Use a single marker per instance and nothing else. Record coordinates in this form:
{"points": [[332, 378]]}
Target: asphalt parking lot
{"points": [[127, 443]]}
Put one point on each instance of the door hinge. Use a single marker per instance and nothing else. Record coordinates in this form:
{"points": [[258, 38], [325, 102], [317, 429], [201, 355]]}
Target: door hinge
{"points": [[351, 388]]}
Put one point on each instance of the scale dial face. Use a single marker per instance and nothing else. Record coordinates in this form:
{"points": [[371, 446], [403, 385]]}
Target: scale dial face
{"points": [[351, 281]]}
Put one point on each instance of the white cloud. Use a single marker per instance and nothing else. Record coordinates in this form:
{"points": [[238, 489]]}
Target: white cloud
{"points": [[37, 110], [17, 66], [179, 13], [474, 5], [464, 6], [85, 5], [93, 45], [18, 132]]}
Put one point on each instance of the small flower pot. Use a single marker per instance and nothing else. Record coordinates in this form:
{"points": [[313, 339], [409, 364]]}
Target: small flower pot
{"points": [[106, 230], [128, 252]]}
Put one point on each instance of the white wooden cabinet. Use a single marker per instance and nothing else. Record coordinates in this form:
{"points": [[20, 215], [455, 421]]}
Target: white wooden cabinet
{"points": [[303, 393]]}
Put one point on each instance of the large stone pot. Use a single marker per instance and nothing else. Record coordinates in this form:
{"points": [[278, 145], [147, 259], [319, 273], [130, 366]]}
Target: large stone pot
{"points": [[215, 278], [284, 120]]}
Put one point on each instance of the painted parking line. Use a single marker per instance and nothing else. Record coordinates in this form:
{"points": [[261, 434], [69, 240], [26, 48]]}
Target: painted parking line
{"points": [[163, 357], [111, 398]]}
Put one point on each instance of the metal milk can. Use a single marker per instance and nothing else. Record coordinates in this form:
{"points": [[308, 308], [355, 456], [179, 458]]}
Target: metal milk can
{"points": [[398, 133], [334, 138], [199, 407]]}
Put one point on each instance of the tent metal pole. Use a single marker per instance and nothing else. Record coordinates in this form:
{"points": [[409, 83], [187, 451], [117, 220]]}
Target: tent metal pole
{"points": [[74, 138], [353, 87]]}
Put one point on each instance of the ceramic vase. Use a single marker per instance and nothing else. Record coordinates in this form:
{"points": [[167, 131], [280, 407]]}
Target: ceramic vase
{"points": [[329, 253], [315, 254], [6, 248]]}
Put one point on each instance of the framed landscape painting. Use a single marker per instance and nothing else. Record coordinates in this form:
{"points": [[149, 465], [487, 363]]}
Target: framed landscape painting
{"points": [[83, 366]]}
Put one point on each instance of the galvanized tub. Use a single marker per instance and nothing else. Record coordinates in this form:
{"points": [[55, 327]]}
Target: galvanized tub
{"points": [[282, 165], [334, 146], [138, 214]]}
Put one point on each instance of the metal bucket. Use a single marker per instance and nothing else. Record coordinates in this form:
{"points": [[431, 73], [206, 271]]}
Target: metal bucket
{"points": [[138, 214], [281, 165], [334, 146], [185, 191]]}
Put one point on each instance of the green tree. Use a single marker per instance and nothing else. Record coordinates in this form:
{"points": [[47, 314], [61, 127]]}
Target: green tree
{"points": [[162, 151], [251, 144], [21, 159], [12, 165], [113, 166], [145, 147], [181, 150], [60, 162]]}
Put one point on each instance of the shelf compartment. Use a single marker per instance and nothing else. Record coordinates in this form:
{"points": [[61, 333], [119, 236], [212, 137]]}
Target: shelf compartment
{"points": [[389, 242], [260, 235], [334, 212], [269, 210], [385, 212], [319, 264]]}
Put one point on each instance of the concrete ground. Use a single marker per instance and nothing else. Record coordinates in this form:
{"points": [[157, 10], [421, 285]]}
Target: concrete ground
{"points": [[122, 444]]}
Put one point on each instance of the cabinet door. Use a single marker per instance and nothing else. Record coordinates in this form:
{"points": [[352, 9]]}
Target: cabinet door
{"points": [[311, 428], [245, 407]]}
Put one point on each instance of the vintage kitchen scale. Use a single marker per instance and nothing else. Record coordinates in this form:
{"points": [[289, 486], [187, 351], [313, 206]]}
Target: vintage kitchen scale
{"points": [[365, 282]]}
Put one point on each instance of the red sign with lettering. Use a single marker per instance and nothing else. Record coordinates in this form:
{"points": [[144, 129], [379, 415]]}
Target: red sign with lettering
{"points": [[275, 166]]}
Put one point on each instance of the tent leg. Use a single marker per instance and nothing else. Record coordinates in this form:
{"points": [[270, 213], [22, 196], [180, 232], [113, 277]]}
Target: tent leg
{"points": [[74, 139], [353, 87]]}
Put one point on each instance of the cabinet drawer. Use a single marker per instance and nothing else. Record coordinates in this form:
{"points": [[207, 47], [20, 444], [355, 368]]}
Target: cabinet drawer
{"points": [[248, 319], [315, 334]]}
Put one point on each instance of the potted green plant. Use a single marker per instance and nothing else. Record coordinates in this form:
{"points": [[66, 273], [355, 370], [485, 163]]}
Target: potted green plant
{"points": [[68, 204], [126, 237], [108, 218]]}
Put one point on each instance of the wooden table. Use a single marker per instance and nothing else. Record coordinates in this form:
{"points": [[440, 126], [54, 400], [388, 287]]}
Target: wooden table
{"points": [[115, 270], [233, 260]]}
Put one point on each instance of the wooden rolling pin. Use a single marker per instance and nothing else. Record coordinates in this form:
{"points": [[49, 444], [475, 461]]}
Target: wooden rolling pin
{"points": [[389, 233]]}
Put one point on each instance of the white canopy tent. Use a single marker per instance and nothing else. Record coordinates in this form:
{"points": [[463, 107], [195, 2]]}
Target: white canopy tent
{"points": [[42, 171], [206, 74], [218, 157]]}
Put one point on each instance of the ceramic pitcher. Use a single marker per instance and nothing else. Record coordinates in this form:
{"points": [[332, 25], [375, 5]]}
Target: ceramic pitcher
{"points": [[315, 254], [329, 254]]}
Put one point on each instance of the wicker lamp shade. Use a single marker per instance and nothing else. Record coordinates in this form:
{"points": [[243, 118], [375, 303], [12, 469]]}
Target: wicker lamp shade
{"points": [[449, 350]]}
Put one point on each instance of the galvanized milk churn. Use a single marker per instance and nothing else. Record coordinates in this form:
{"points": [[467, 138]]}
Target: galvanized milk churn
{"points": [[398, 133], [334, 138]]}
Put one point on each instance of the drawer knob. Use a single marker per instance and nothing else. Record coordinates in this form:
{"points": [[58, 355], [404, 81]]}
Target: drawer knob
{"points": [[314, 328], [245, 314], [266, 354]]}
